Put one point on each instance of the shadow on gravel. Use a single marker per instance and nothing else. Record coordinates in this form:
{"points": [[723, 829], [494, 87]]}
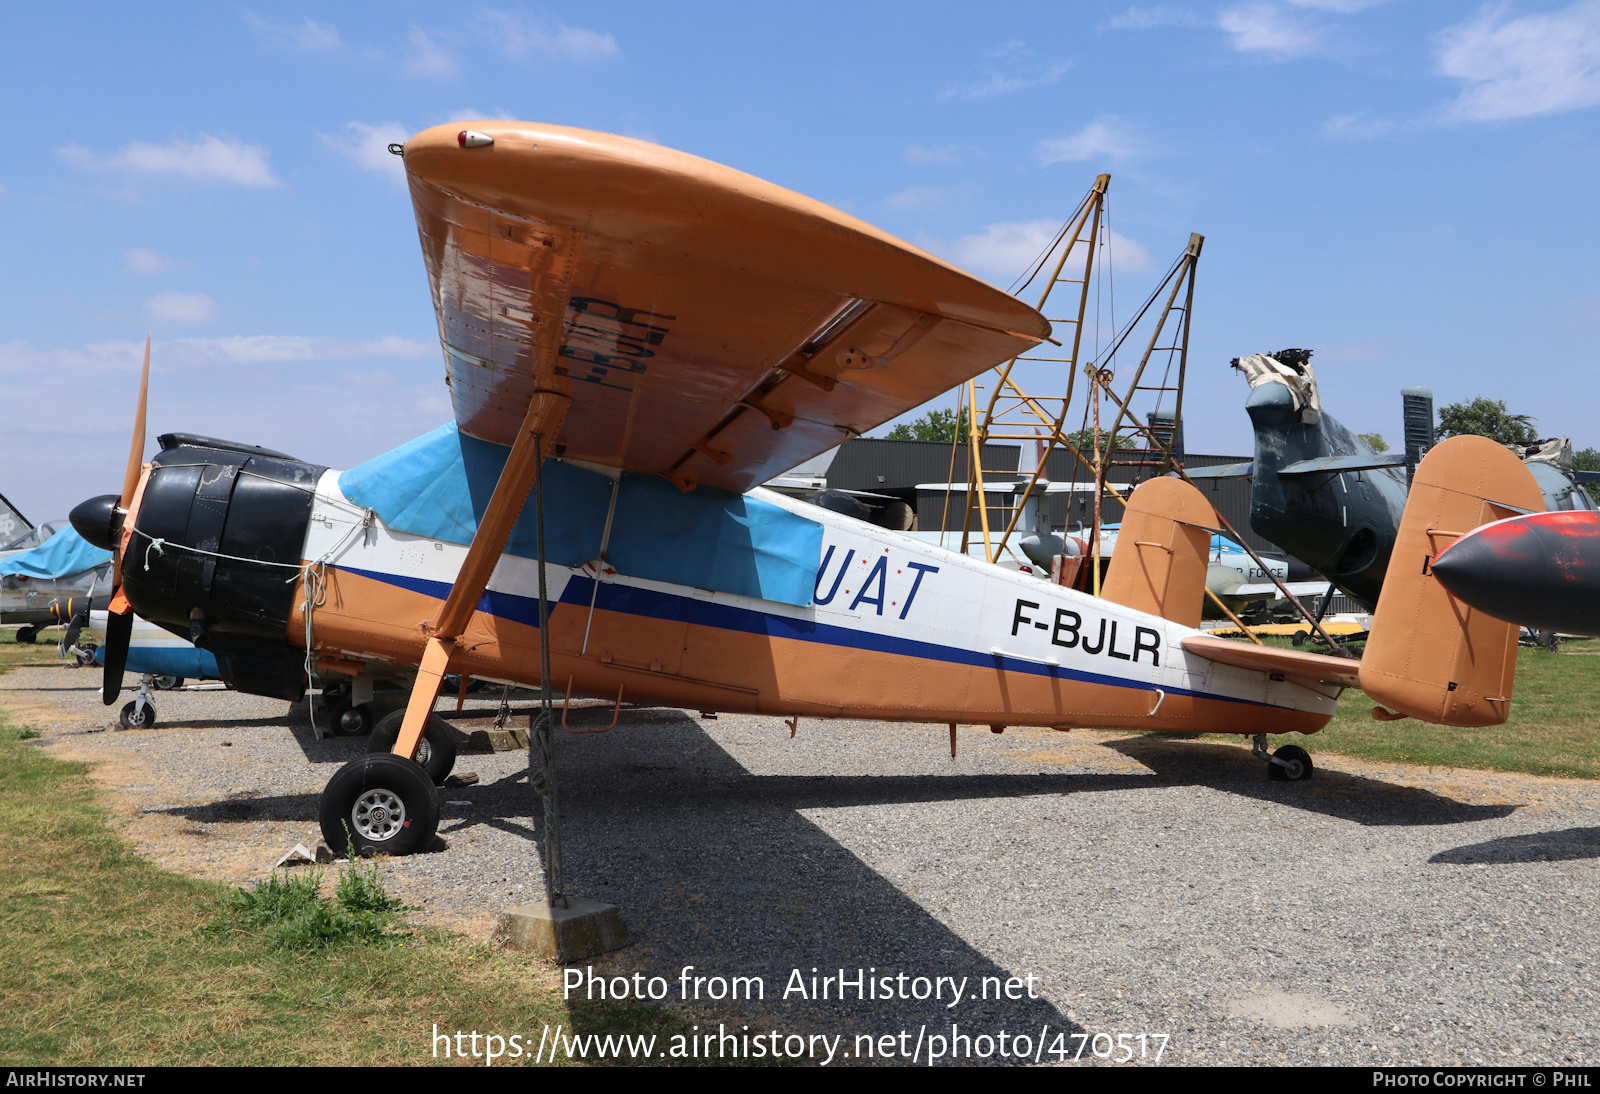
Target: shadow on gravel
{"points": [[715, 868], [1569, 843], [1331, 793]]}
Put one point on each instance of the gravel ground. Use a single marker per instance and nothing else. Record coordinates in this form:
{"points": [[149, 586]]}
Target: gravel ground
{"points": [[1382, 914]]}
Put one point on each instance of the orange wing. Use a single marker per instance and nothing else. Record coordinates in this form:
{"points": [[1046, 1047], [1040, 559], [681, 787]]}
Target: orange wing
{"points": [[709, 326]]}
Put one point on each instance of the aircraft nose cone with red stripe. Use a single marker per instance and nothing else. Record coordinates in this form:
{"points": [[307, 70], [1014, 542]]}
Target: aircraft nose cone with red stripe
{"points": [[1540, 571]]}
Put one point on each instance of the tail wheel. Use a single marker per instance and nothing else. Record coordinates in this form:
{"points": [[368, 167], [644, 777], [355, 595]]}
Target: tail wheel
{"points": [[381, 803], [436, 751], [349, 719], [1299, 765]]}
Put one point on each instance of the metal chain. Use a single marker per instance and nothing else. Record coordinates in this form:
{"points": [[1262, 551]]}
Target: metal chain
{"points": [[542, 724]]}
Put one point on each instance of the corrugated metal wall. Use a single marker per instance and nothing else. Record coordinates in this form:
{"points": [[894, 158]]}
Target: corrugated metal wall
{"points": [[884, 466]]}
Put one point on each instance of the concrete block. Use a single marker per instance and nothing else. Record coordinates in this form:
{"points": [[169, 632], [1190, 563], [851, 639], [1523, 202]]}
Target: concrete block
{"points": [[495, 740], [582, 929]]}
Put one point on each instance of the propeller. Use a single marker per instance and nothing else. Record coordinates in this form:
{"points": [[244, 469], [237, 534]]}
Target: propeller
{"points": [[119, 617]]}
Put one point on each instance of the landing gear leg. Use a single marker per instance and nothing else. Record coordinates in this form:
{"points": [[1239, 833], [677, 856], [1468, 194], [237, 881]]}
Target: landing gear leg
{"points": [[1291, 763]]}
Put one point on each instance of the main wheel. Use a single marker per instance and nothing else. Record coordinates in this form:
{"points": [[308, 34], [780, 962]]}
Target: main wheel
{"points": [[382, 803], [349, 719], [1301, 638], [26, 635], [166, 683], [137, 715], [436, 752], [1299, 761]]}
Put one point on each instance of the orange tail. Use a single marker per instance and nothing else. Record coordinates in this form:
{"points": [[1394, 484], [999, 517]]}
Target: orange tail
{"points": [[1159, 565], [1430, 655]]}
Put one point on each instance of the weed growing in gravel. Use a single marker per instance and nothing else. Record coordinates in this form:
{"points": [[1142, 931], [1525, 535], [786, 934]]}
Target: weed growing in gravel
{"points": [[291, 912]]}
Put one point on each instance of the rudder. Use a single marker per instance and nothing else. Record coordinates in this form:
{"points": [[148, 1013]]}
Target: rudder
{"points": [[1159, 564], [1430, 655]]}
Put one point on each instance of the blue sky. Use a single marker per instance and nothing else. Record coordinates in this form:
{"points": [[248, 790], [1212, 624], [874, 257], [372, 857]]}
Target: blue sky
{"points": [[1408, 188]]}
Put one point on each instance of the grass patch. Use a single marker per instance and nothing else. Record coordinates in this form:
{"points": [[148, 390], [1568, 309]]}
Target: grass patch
{"points": [[106, 959], [1554, 709]]}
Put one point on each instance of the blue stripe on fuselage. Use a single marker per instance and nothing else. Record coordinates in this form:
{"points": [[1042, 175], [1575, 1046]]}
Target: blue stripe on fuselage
{"points": [[631, 600]]}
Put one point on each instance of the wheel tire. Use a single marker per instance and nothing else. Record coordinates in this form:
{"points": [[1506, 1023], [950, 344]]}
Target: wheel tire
{"points": [[137, 715], [436, 752], [349, 719], [166, 683], [382, 803], [26, 635], [85, 655], [1301, 637], [1299, 757]]}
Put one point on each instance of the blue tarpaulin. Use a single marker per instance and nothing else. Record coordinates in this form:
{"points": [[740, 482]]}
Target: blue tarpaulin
{"points": [[439, 485], [62, 555]]}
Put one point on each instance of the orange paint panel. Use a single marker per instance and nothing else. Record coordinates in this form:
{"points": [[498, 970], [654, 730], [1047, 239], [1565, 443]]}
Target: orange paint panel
{"points": [[737, 671]]}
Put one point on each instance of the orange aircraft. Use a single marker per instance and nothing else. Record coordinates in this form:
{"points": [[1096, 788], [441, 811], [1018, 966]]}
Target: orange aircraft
{"points": [[638, 338]]}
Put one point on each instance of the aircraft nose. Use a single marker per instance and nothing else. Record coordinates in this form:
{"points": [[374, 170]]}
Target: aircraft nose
{"points": [[1270, 404], [95, 520], [1526, 573]]}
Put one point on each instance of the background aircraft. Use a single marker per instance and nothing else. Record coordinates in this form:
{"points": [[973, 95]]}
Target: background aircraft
{"points": [[31, 580], [1325, 496]]}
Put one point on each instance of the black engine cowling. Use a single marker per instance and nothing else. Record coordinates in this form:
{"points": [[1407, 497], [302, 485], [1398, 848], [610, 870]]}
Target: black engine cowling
{"points": [[244, 513]]}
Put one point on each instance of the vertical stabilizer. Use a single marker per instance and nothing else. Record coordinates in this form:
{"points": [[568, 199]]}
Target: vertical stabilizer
{"points": [[1159, 564], [1430, 655]]}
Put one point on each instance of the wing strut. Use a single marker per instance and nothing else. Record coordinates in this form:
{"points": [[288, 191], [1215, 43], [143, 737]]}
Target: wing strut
{"points": [[546, 411]]}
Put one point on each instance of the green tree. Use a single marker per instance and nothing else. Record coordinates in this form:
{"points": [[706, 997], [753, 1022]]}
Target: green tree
{"points": [[936, 425], [1374, 441], [1083, 441], [1588, 459], [1486, 418]]}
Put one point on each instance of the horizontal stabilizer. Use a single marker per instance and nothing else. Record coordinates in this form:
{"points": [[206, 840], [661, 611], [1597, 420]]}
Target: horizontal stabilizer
{"points": [[1335, 464], [1296, 588], [1306, 667], [1222, 471]]}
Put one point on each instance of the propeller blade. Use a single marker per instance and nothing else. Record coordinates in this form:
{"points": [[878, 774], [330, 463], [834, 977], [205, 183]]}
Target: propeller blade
{"points": [[119, 632], [130, 478]]}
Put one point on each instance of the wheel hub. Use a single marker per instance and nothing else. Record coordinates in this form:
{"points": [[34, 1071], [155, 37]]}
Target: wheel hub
{"points": [[378, 814]]}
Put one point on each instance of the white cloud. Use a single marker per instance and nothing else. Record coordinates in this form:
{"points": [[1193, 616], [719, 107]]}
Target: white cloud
{"points": [[429, 58], [916, 197], [141, 261], [180, 307], [367, 146], [209, 159], [1525, 66], [1357, 127], [1012, 68], [104, 358], [307, 37], [999, 83], [1104, 138], [944, 153], [1266, 28], [1153, 18], [261, 349], [1007, 249], [1338, 7], [516, 37]]}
